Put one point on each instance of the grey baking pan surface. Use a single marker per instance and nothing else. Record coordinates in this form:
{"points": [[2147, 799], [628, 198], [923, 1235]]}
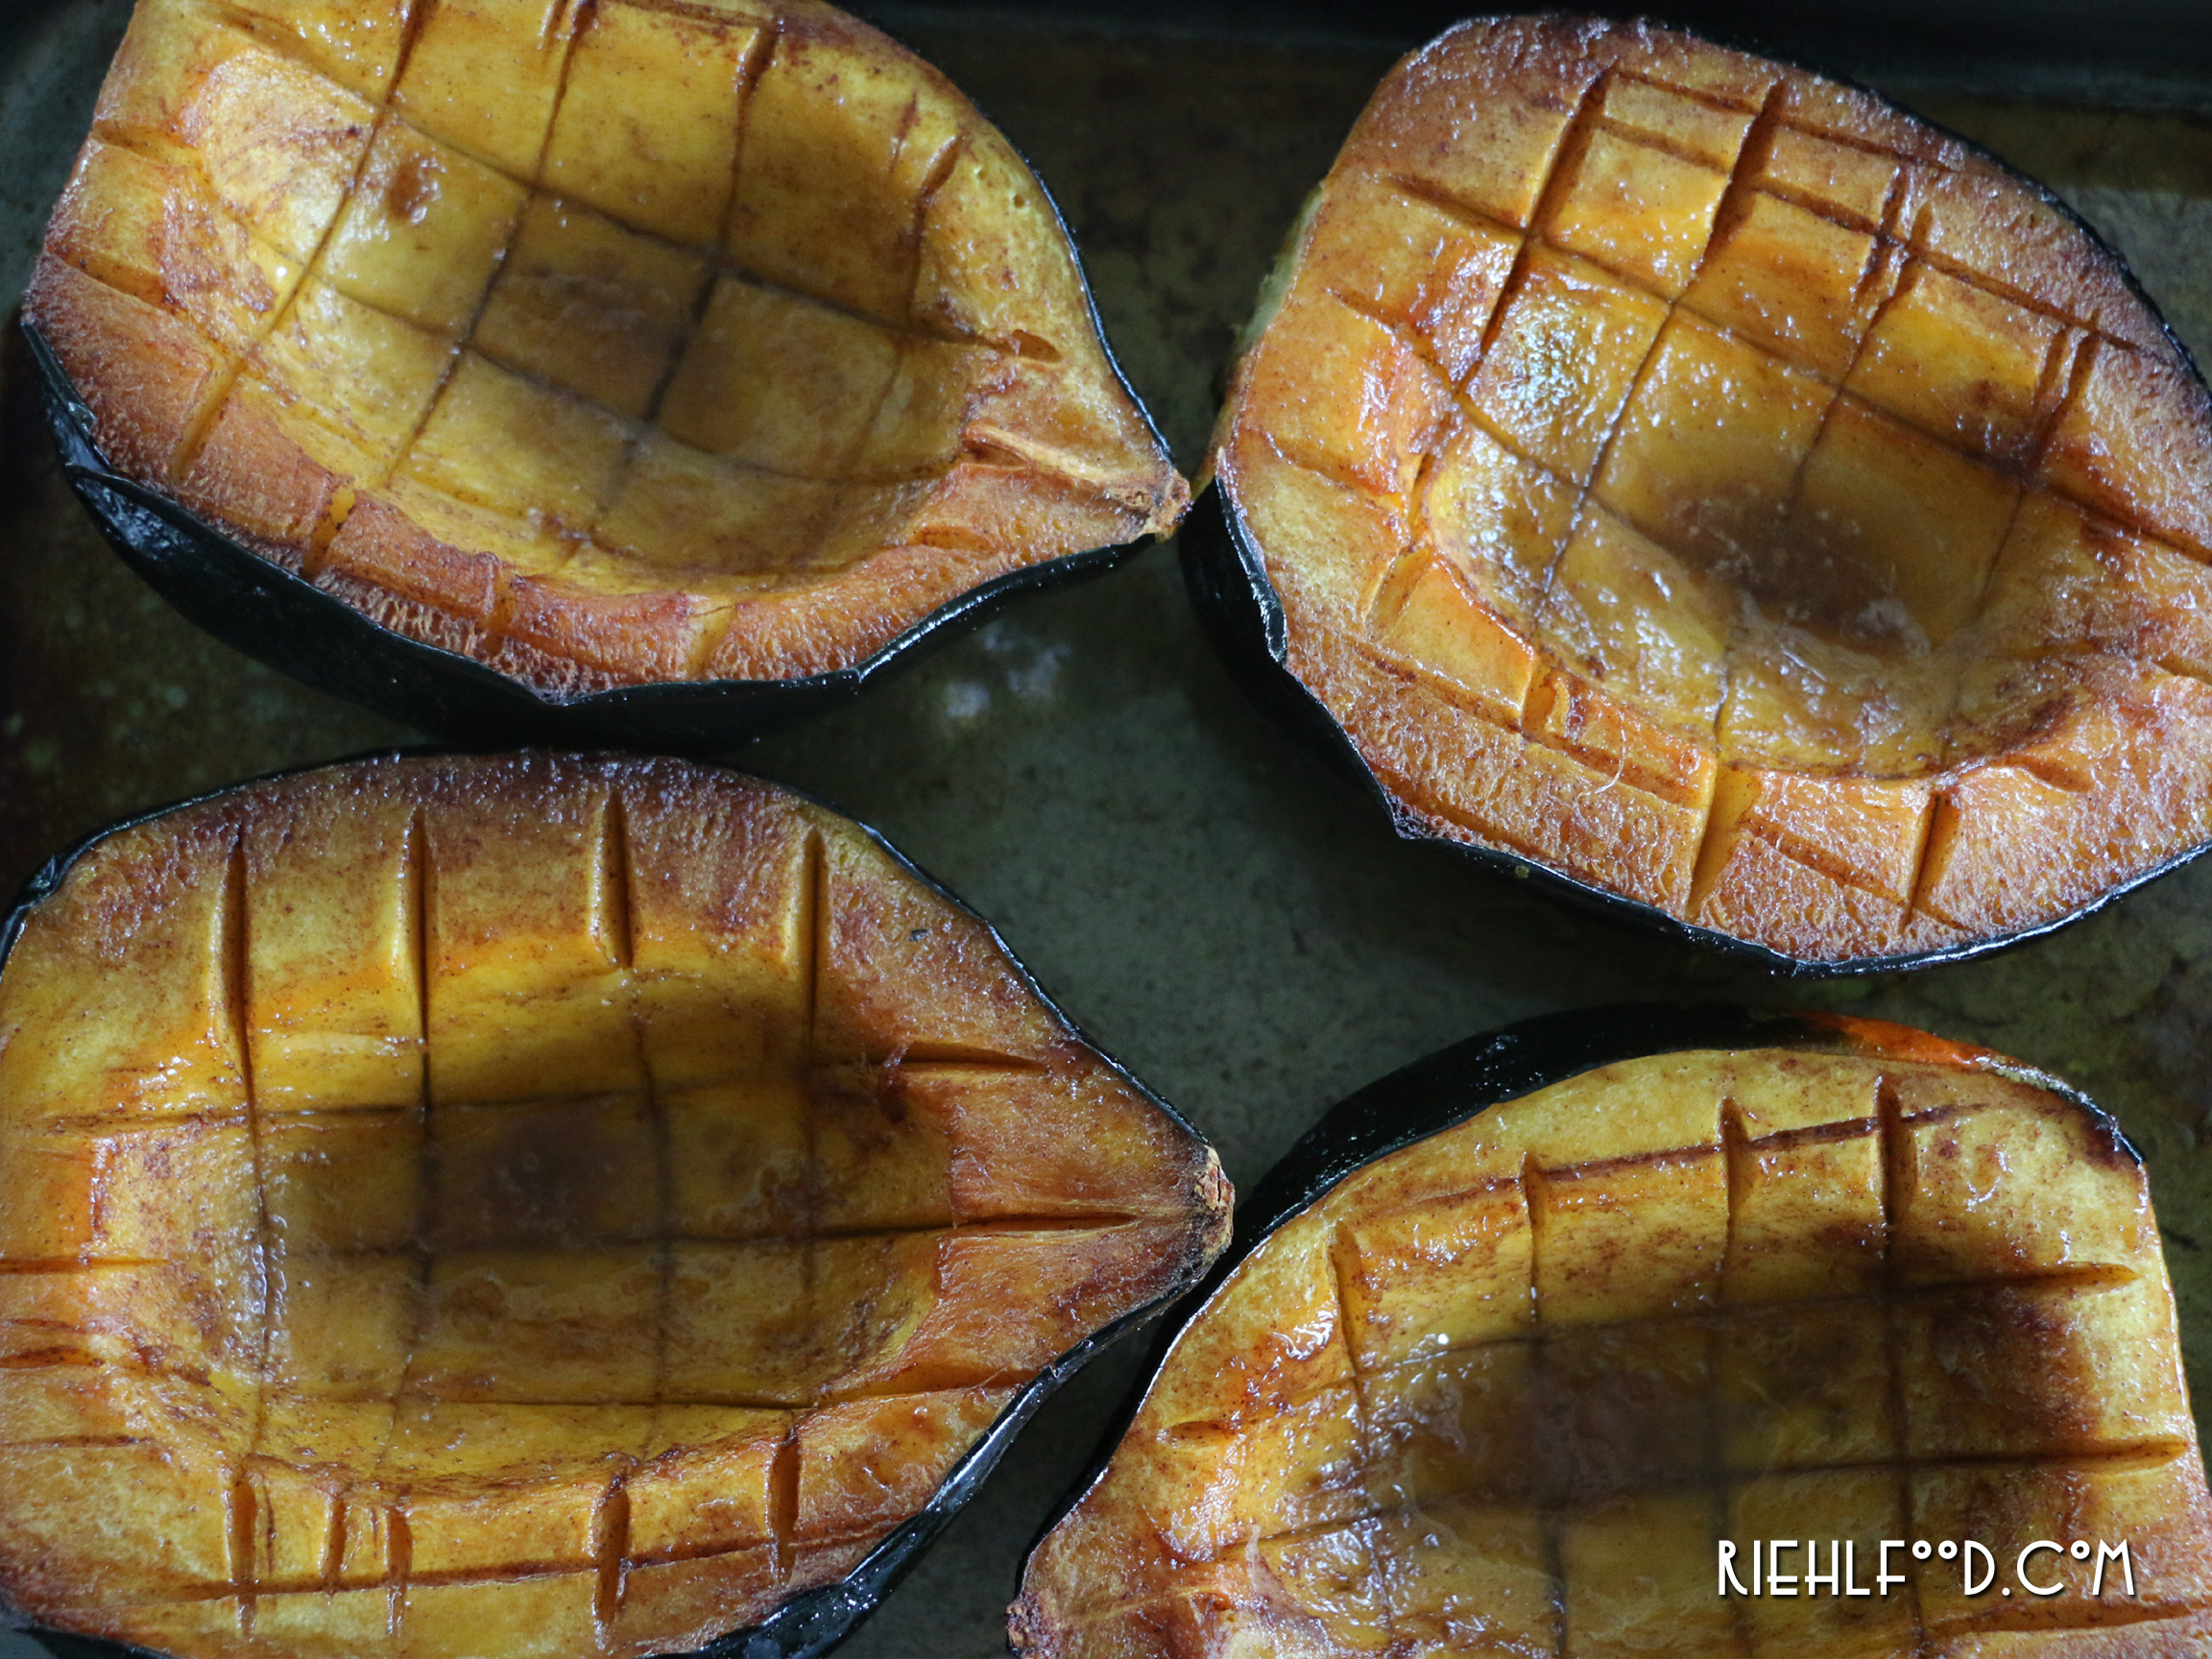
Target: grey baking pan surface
{"points": [[1228, 919]]}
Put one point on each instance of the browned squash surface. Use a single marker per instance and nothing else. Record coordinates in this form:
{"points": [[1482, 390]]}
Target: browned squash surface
{"points": [[1504, 1392], [1704, 480], [526, 1207], [607, 344]]}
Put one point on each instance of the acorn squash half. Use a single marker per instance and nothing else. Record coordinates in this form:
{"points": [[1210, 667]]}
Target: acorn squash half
{"points": [[533, 1206], [648, 368], [1515, 1345], [1704, 484]]}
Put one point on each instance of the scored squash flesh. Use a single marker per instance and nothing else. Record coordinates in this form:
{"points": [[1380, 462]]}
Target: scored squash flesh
{"points": [[1702, 480], [1509, 1390], [512, 1207], [606, 344]]}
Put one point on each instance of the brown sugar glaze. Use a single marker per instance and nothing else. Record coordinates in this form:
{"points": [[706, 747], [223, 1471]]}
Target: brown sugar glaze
{"points": [[527, 1206], [606, 344], [1507, 1390], [1702, 479]]}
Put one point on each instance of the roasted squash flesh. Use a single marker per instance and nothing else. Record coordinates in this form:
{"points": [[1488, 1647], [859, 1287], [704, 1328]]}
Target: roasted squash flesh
{"points": [[1512, 1390], [527, 1207], [1710, 483], [606, 344]]}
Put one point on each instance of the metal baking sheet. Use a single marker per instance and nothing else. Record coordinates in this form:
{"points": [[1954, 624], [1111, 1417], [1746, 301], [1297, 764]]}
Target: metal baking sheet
{"points": [[1228, 918]]}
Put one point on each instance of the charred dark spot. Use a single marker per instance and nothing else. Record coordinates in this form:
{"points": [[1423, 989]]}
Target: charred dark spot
{"points": [[414, 190]]}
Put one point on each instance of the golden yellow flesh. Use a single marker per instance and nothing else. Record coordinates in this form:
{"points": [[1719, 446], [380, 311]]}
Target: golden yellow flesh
{"points": [[1644, 428], [606, 344], [1504, 1392], [526, 1207]]}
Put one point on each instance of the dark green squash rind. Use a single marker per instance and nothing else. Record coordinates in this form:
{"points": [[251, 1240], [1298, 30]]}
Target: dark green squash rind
{"points": [[816, 1621], [264, 611], [1229, 587]]}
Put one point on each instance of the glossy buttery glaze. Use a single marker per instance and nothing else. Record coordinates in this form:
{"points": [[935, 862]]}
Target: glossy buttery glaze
{"points": [[526, 1207], [607, 345], [1700, 479], [1506, 1392]]}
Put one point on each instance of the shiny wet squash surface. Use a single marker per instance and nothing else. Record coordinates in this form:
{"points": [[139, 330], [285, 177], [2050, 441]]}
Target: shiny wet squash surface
{"points": [[605, 344], [527, 1206], [1706, 481], [1506, 1392]]}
